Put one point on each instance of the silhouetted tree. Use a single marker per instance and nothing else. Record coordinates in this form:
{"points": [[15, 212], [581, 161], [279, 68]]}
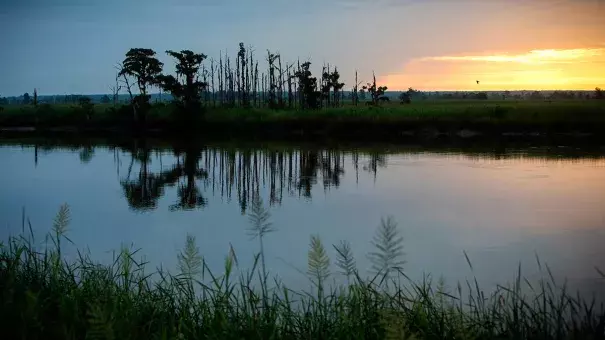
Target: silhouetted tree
{"points": [[598, 93], [355, 95], [307, 85], [142, 65], [26, 98], [35, 97], [271, 58], [334, 79], [105, 99], [115, 90], [186, 87], [375, 91]]}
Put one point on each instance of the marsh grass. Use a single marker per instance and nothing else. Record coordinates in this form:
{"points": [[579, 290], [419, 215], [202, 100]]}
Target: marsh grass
{"points": [[44, 296], [493, 111]]}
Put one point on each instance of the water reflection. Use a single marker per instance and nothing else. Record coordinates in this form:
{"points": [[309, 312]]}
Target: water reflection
{"points": [[234, 172], [196, 171]]}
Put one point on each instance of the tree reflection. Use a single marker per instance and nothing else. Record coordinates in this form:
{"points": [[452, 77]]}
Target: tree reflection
{"points": [[199, 172], [144, 191]]}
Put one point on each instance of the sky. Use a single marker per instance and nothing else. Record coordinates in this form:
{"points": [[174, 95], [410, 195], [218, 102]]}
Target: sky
{"points": [[71, 46]]}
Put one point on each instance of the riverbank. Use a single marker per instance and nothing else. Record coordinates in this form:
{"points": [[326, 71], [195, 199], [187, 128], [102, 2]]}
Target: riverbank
{"points": [[46, 295], [559, 147], [425, 119]]}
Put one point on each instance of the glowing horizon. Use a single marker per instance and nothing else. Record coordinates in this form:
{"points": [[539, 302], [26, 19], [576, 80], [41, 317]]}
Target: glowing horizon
{"points": [[539, 69]]}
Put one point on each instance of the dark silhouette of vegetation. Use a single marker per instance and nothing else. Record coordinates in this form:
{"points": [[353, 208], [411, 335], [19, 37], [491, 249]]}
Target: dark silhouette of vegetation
{"points": [[35, 101], [307, 84], [376, 92], [562, 95], [105, 99], [26, 99], [355, 91], [197, 169], [86, 106], [598, 93], [480, 96], [185, 88], [536, 95], [404, 98], [336, 86], [142, 65]]}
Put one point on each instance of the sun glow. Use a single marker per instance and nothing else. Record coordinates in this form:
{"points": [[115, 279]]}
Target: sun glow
{"points": [[547, 69], [533, 57]]}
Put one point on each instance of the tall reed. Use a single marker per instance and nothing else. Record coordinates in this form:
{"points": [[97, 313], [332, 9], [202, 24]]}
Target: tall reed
{"points": [[46, 296]]}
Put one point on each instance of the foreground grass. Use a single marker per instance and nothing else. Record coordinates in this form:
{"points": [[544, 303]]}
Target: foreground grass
{"points": [[46, 297]]}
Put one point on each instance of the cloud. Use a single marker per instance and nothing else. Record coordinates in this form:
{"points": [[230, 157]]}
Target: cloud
{"points": [[550, 56], [545, 69]]}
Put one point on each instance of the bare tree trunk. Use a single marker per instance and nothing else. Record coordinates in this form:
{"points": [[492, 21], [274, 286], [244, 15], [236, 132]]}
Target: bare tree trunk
{"points": [[238, 82], [221, 89], [289, 88], [281, 83], [355, 95], [256, 84], [264, 89], [134, 103], [249, 75], [204, 93], [212, 79]]}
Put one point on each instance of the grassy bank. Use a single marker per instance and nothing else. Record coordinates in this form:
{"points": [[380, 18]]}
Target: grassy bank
{"points": [[388, 120], [45, 296]]}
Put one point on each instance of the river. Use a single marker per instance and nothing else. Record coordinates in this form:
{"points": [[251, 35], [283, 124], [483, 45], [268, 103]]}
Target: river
{"points": [[503, 207]]}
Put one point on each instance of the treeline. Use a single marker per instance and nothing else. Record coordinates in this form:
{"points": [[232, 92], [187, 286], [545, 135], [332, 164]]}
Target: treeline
{"points": [[240, 82]]}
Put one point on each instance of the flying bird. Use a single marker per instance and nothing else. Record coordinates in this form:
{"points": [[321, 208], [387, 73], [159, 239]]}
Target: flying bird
{"points": [[477, 81]]}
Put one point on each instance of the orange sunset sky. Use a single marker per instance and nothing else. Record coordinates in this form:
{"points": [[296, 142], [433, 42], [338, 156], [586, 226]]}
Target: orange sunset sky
{"points": [[512, 45]]}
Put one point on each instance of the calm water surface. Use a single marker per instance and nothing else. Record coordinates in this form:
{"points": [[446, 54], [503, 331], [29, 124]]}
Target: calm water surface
{"points": [[501, 208]]}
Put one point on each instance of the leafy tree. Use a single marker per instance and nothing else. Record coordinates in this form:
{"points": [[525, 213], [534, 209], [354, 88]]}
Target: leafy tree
{"points": [[3, 101], [35, 97], [375, 91], [185, 87], [598, 93], [307, 84], [142, 65], [105, 99], [337, 86], [26, 98]]}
